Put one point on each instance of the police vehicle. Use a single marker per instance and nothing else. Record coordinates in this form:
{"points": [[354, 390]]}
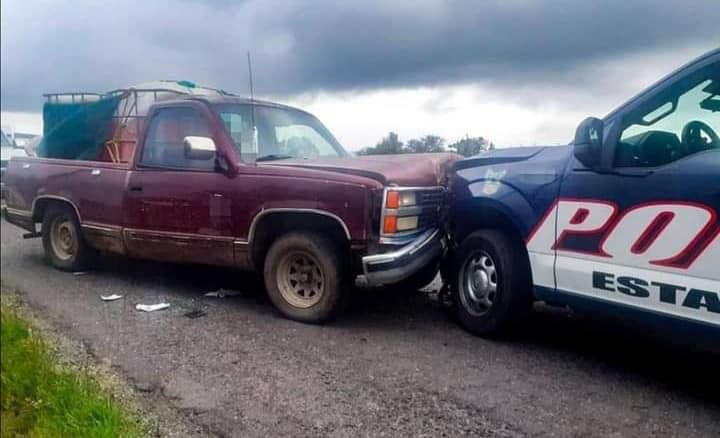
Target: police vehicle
{"points": [[624, 218]]}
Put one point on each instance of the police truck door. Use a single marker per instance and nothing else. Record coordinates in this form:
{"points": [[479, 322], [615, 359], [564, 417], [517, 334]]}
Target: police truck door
{"points": [[644, 231]]}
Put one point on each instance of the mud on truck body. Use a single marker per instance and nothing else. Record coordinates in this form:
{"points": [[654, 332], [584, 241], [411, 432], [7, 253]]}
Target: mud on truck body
{"points": [[215, 179]]}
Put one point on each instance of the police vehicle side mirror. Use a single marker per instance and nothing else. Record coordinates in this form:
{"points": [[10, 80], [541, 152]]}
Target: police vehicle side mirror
{"points": [[588, 142]]}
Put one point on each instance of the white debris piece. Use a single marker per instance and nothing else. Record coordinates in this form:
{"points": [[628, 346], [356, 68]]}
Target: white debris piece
{"points": [[112, 297], [78, 273], [152, 307], [222, 293]]}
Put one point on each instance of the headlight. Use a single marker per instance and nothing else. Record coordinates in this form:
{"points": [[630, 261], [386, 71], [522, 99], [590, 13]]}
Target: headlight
{"points": [[396, 199], [407, 223], [393, 221], [407, 199], [393, 224]]}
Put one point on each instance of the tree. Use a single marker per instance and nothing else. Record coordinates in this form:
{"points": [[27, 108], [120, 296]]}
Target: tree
{"points": [[469, 146], [390, 144], [429, 143]]}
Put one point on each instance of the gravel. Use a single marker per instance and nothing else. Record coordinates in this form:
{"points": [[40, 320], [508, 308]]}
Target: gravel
{"points": [[394, 365]]}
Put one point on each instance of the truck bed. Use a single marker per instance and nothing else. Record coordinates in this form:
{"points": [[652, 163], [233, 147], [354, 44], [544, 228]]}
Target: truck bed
{"points": [[94, 187]]}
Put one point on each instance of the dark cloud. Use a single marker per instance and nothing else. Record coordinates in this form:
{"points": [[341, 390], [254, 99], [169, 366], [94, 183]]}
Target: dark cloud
{"points": [[302, 46]]}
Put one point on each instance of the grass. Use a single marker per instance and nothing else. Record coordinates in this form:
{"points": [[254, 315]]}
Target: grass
{"points": [[38, 398]]}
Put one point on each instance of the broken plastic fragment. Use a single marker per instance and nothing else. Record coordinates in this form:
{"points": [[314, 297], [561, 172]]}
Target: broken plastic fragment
{"points": [[152, 307], [112, 297], [222, 293]]}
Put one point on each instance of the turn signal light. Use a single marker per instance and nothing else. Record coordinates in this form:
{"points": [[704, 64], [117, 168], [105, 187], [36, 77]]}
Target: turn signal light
{"points": [[390, 224], [397, 199], [392, 200]]}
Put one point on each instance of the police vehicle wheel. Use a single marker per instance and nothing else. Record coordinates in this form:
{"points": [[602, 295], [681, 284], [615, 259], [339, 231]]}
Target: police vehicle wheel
{"points": [[492, 291], [305, 278], [64, 246]]}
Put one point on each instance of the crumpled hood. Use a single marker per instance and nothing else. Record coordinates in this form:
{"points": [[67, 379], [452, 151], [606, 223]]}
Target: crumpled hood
{"points": [[500, 156], [403, 170]]}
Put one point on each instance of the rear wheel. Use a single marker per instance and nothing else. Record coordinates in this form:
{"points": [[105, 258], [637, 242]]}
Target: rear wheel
{"points": [[64, 246], [305, 277], [492, 288]]}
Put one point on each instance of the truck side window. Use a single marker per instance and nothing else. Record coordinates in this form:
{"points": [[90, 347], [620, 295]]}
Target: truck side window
{"points": [[682, 120], [164, 143], [239, 126]]}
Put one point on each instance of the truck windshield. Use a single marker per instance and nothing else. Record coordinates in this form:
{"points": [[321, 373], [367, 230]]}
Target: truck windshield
{"points": [[279, 133]]}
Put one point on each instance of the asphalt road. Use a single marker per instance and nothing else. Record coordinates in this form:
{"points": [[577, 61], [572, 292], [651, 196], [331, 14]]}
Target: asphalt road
{"points": [[394, 365]]}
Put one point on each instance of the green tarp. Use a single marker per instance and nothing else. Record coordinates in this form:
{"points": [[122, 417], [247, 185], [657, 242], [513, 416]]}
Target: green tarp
{"points": [[77, 130]]}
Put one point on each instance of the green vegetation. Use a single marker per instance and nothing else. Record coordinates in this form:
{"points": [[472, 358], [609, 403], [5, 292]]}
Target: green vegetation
{"points": [[391, 144], [40, 399]]}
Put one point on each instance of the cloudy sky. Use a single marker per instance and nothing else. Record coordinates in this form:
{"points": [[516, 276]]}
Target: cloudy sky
{"points": [[515, 71]]}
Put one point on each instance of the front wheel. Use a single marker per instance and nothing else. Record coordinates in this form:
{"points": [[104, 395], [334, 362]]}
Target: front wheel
{"points": [[305, 277], [493, 288]]}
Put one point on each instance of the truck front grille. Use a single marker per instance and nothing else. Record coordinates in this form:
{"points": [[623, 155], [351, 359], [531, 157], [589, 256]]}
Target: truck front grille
{"points": [[430, 197], [432, 203]]}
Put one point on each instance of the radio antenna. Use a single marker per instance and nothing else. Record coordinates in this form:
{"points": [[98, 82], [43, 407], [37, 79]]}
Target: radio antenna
{"points": [[252, 95], [252, 104]]}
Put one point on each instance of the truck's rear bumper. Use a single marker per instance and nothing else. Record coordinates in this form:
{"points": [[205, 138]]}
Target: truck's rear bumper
{"points": [[393, 267]]}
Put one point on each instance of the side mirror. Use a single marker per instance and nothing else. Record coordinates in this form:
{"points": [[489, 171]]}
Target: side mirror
{"points": [[589, 142], [199, 148]]}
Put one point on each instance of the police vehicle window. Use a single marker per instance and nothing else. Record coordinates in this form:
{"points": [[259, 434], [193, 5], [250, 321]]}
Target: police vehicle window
{"points": [[684, 121], [164, 145]]}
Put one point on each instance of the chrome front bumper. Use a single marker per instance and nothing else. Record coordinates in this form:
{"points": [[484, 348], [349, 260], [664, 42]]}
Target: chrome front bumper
{"points": [[395, 266]]}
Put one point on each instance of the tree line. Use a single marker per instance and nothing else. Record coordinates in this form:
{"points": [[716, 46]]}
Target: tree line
{"points": [[391, 144]]}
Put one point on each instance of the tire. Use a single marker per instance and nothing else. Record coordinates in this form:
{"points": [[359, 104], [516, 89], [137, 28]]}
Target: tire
{"points": [[492, 287], [420, 279], [305, 277], [64, 246]]}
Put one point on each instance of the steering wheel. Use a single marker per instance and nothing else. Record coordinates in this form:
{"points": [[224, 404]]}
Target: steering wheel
{"points": [[692, 137], [302, 147]]}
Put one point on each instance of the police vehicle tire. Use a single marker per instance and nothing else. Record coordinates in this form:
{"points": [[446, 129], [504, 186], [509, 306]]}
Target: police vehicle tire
{"points": [[63, 243], [492, 291], [305, 277]]}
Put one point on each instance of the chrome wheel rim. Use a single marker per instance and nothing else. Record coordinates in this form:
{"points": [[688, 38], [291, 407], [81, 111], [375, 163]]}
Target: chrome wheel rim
{"points": [[300, 279], [63, 238], [479, 283]]}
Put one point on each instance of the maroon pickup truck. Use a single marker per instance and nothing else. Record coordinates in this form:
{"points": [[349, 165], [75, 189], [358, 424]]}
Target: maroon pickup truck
{"points": [[226, 181]]}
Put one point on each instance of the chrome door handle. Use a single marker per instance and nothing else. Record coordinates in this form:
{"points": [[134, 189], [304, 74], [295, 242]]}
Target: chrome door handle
{"points": [[95, 172], [26, 166]]}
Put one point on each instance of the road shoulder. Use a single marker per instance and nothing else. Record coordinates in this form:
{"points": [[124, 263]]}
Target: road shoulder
{"points": [[157, 415]]}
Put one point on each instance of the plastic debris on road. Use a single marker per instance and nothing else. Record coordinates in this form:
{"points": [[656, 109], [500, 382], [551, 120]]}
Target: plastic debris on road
{"points": [[222, 293], [78, 273], [152, 307], [112, 297]]}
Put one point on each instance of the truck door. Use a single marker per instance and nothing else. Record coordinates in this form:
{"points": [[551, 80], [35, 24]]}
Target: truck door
{"points": [[177, 208], [645, 233]]}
